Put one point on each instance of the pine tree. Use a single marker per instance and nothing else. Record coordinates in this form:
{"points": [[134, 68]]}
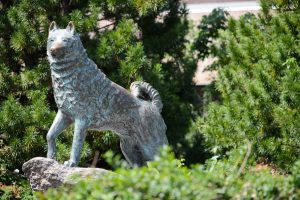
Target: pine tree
{"points": [[258, 63]]}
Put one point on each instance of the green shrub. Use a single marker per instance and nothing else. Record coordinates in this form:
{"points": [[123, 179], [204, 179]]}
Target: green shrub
{"points": [[166, 178], [258, 63], [19, 188]]}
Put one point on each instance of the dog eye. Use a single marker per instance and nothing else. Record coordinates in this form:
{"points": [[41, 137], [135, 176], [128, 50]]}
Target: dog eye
{"points": [[66, 39]]}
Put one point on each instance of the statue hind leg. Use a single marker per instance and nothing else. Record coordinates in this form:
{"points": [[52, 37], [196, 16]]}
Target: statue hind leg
{"points": [[133, 152], [144, 143]]}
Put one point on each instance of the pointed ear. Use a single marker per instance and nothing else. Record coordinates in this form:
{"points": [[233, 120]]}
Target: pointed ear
{"points": [[71, 27], [52, 26]]}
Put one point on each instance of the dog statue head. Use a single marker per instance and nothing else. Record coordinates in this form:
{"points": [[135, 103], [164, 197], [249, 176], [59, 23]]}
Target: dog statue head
{"points": [[63, 43]]}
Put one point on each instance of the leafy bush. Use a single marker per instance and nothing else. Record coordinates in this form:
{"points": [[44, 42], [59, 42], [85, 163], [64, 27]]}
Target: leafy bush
{"points": [[18, 188], [167, 178], [258, 63]]}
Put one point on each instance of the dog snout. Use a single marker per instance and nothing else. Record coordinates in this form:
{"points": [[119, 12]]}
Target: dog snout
{"points": [[55, 48], [52, 50]]}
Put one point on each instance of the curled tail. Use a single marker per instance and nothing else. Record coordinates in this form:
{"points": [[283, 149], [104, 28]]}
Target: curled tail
{"points": [[146, 92]]}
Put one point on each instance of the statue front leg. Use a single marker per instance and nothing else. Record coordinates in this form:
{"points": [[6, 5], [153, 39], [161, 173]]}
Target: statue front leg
{"points": [[60, 123], [80, 132]]}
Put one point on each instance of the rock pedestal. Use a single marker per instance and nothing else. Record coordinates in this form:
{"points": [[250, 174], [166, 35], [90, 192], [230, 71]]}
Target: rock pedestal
{"points": [[45, 173]]}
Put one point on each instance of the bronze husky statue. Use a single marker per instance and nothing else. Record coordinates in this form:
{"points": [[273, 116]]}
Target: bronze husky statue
{"points": [[87, 98]]}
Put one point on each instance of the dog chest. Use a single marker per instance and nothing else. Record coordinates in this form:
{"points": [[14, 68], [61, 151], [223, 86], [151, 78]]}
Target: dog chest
{"points": [[84, 92]]}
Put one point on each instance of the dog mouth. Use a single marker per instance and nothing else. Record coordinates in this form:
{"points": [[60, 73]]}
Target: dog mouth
{"points": [[58, 53]]}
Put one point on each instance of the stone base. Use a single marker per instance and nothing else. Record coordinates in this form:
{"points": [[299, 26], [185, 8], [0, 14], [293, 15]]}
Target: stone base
{"points": [[45, 173]]}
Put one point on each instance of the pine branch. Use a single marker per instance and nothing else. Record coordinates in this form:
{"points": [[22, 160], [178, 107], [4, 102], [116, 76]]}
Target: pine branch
{"points": [[106, 26], [249, 148]]}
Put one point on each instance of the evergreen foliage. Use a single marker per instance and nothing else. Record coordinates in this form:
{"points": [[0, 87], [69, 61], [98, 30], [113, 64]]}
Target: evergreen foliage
{"points": [[204, 46], [258, 63], [167, 178], [281, 5]]}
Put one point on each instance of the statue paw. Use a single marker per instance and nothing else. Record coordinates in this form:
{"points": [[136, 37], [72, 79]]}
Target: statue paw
{"points": [[69, 163]]}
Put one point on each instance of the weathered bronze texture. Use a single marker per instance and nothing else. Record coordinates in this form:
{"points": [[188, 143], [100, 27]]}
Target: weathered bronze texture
{"points": [[87, 98]]}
